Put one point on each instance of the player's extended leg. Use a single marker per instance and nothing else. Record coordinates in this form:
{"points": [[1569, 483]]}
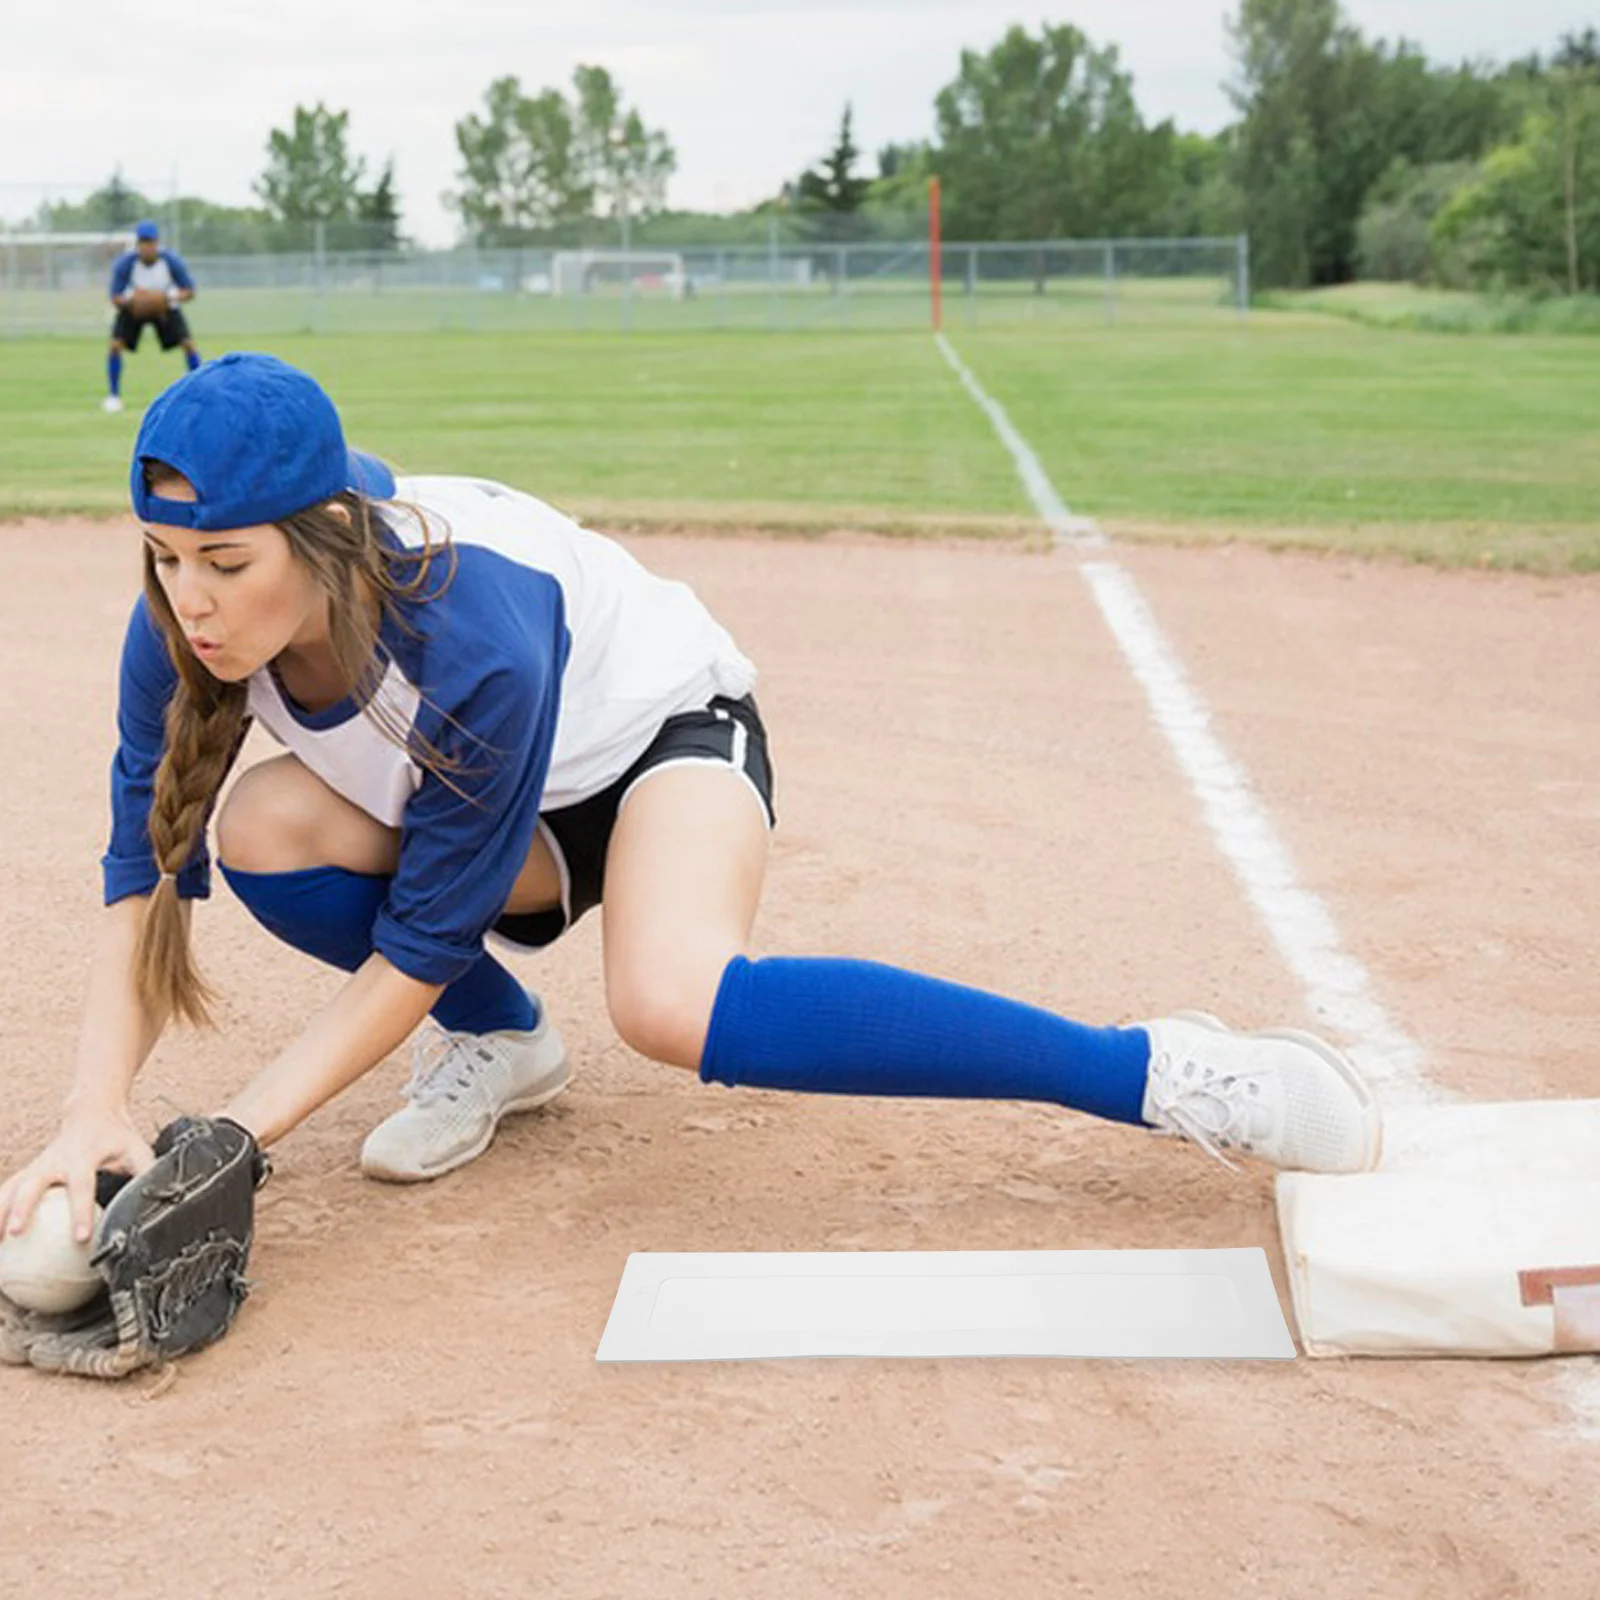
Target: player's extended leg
{"points": [[191, 354], [113, 399], [315, 871], [682, 878]]}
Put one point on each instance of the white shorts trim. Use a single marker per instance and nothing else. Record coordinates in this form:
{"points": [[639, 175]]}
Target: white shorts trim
{"points": [[706, 761]]}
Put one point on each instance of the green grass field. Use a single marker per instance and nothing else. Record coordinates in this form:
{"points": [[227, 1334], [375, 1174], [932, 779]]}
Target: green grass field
{"points": [[1290, 428], [1311, 430]]}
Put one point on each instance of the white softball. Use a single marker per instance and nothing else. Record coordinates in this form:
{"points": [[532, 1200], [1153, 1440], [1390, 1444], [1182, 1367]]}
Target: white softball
{"points": [[45, 1268]]}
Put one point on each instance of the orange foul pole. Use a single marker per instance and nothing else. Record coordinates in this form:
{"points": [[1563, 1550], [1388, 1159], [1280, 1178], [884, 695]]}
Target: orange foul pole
{"points": [[935, 255]]}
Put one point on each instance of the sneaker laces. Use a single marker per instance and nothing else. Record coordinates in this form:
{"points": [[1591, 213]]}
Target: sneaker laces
{"points": [[444, 1066], [1181, 1101]]}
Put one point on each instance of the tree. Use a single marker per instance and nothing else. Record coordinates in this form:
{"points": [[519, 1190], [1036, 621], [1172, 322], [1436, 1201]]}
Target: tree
{"points": [[835, 187], [1395, 236], [1579, 52], [113, 205], [310, 175], [519, 166], [1294, 58], [1531, 220], [1325, 114], [628, 164], [895, 158], [1577, 77], [828, 199], [1201, 200], [1041, 139], [901, 186], [541, 165], [378, 210]]}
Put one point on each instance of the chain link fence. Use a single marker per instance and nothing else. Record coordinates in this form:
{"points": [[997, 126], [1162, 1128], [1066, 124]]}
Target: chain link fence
{"points": [[55, 283]]}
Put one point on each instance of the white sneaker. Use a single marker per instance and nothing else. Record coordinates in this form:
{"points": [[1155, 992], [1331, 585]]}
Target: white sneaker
{"points": [[461, 1085], [1283, 1096], [111, 403]]}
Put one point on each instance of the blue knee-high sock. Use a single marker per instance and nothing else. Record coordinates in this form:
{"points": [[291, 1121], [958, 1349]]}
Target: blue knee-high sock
{"points": [[328, 913], [192, 357], [853, 1027], [114, 371]]}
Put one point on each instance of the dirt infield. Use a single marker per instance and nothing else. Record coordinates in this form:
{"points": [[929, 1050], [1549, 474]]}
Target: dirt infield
{"points": [[968, 782]]}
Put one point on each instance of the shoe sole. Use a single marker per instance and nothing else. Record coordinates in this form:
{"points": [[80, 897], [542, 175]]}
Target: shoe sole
{"points": [[530, 1102], [1335, 1059]]}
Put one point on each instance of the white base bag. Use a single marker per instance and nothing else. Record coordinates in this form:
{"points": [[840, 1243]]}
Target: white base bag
{"points": [[1479, 1235]]}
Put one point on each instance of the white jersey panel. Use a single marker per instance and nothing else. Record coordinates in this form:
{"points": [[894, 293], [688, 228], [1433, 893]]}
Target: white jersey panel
{"points": [[354, 758], [643, 647], [152, 275]]}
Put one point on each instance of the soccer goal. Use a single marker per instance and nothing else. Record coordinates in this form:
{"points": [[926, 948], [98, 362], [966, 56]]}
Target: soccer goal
{"points": [[658, 272]]}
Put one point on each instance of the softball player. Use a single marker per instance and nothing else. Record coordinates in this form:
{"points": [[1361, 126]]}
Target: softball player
{"points": [[494, 720], [147, 267]]}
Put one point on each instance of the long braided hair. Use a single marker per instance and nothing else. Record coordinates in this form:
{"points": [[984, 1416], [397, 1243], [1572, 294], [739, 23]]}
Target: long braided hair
{"points": [[206, 719]]}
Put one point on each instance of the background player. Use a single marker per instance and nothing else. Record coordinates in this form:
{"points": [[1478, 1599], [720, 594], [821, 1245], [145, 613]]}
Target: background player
{"points": [[148, 285], [495, 735]]}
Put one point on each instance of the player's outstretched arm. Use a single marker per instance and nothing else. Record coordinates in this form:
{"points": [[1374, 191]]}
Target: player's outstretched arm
{"points": [[116, 1038], [375, 1011]]}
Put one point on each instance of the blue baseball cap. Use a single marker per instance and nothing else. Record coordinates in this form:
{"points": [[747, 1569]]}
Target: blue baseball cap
{"points": [[258, 440], [147, 230]]}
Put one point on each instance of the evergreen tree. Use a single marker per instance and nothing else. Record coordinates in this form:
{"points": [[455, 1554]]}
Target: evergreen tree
{"points": [[834, 186], [378, 209]]}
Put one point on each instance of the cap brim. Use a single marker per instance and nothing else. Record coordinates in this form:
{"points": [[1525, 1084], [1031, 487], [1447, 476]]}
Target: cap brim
{"points": [[370, 476]]}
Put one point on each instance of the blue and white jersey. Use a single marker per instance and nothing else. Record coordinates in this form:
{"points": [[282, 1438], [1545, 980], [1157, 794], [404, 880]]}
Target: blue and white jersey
{"points": [[165, 273], [543, 668]]}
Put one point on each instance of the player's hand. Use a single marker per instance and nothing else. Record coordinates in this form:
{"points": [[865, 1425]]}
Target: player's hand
{"points": [[87, 1142]]}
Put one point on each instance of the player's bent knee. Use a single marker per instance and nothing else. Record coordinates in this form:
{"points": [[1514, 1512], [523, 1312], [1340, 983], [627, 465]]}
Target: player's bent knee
{"points": [[663, 1020], [272, 819]]}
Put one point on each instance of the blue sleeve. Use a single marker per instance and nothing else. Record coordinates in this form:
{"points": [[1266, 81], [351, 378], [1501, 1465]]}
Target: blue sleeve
{"points": [[145, 686], [465, 835], [180, 273], [122, 274]]}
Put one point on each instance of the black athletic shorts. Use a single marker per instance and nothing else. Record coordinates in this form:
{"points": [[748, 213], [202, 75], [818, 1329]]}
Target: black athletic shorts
{"points": [[726, 733], [171, 329]]}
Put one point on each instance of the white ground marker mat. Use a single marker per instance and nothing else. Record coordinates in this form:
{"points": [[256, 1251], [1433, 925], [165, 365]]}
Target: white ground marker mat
{"points": [[1085, 1303]]}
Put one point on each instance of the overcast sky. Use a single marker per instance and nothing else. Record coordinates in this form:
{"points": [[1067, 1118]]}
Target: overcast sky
{"points": [[749, 91]]}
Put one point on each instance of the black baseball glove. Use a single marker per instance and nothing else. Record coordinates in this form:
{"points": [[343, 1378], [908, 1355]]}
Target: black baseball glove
{"points": [[172, 1245]]}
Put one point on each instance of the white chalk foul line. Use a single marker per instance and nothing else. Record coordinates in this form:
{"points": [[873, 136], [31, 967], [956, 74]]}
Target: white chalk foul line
{"points": [[1337, 987], [1067, 528]]}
